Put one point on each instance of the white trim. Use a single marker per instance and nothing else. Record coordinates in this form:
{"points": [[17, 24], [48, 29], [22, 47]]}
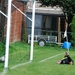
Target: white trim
{"points": [[41, 8]]}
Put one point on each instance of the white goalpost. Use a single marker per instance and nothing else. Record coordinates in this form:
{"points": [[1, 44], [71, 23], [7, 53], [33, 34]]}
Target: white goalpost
{"points": [[8, 30], [8, 34], [32, 32], [33, 23]]}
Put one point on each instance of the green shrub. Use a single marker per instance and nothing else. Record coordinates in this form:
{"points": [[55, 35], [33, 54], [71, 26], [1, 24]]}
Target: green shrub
{"points": [[2, 49], [24, 38], [73, 30]]}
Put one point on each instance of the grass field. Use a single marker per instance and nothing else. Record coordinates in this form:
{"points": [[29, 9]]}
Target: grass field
{"points": [[45, 63]]}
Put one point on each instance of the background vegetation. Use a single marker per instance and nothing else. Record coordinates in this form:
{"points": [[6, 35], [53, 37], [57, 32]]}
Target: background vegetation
{"points": [[73, 31], [2, 49], [66, 5], [36, 67]]}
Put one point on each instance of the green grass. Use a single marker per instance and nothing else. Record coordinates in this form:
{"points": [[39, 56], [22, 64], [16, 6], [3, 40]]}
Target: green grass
{"points": [[19, 53], [48, 67], [1, 67]]}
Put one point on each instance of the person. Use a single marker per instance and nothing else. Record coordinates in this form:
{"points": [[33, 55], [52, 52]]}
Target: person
{"points": [[66, 60]]}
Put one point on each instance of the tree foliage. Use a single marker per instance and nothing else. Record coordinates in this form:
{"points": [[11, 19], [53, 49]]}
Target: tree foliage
{"points": [[2, 49], [67, 5], [73, 30]]}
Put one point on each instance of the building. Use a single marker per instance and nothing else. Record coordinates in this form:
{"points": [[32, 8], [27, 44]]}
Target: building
{"points": [[16, 20], [48, 20]]}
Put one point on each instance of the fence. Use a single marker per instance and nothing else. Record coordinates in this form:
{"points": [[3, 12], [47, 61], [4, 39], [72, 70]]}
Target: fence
{"points": [[52, 37]]}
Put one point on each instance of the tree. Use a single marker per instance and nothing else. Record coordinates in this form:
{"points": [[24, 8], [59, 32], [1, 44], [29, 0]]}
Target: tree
{"points": [[73, 30], [66, 5], [2, 49]]}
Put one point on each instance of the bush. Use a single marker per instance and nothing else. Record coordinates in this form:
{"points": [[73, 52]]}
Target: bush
{"points": [[73, 30], [2, 49]]}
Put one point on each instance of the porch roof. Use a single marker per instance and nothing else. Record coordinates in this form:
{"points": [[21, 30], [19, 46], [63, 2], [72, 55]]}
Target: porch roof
{"points": [[44, 9]]}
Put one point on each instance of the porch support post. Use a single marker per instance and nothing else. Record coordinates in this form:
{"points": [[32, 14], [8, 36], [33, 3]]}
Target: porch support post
{"points": [[59, 31]]}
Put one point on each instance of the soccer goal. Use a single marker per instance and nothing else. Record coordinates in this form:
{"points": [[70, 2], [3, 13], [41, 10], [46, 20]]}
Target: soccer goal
{"points": [[16, 50]]}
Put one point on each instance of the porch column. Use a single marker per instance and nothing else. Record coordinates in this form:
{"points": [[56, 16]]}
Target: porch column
{"points": [[59, 31]]}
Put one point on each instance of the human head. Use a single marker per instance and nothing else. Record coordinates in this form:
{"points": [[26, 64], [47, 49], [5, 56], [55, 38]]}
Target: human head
{"points": [[66, 53]]}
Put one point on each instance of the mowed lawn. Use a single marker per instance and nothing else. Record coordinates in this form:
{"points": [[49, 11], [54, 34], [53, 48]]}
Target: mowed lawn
{"points": [[45, 63]]}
